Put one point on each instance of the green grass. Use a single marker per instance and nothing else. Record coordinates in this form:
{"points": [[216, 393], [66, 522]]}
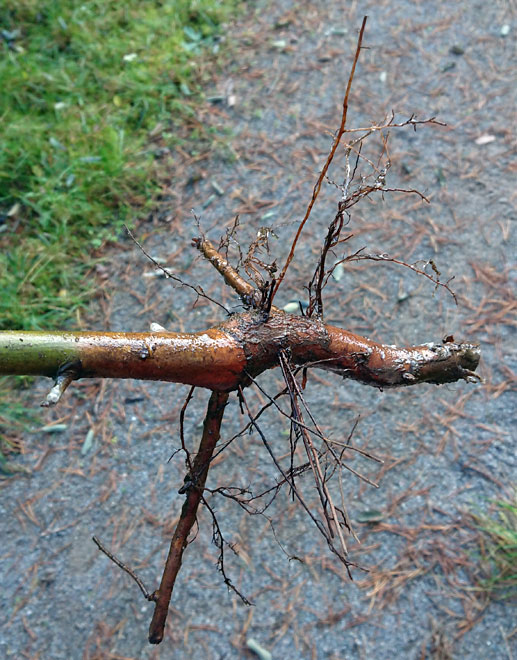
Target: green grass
{"points": [[497, 541], [14, 419], [82, 85]]}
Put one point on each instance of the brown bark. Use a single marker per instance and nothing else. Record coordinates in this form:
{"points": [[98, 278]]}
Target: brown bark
{"points": [[221, 358], [209, 359], [195, 486]]}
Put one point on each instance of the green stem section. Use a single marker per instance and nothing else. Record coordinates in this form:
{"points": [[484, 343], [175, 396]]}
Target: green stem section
{"points": [[206, 359]]}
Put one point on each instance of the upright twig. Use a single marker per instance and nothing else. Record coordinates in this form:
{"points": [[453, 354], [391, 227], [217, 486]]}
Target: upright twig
{"points": [[330, 157]]}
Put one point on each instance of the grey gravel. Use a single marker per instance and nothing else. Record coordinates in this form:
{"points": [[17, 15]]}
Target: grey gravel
{"points": [[61, 598]]}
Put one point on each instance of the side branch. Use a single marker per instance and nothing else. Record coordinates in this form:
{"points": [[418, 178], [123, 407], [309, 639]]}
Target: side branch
{"points": [[249, 295], [195, 484]]}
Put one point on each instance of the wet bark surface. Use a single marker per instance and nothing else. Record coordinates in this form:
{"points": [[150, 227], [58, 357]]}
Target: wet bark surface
{"points": [[446, 449]]}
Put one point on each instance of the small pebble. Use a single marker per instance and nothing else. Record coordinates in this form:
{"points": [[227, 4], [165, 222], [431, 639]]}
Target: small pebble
{"points": [[369, 516], [217, 188], [207, 202], [338, 272], [293, 306], [268, 214], [485, 139], [54, 428], [262, 653], [88, 442], [505, 30]]}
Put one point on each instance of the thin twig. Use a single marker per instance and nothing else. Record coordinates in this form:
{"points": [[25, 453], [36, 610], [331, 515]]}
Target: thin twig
{"points": [[123, 566], [220, 542], [182, 429], [330, 157], [197, 289], [287, 478], [386, 257], [312, 455]]}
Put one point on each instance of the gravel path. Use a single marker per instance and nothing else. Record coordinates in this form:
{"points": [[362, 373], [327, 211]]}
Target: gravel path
{"points": [[446, 450]]}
